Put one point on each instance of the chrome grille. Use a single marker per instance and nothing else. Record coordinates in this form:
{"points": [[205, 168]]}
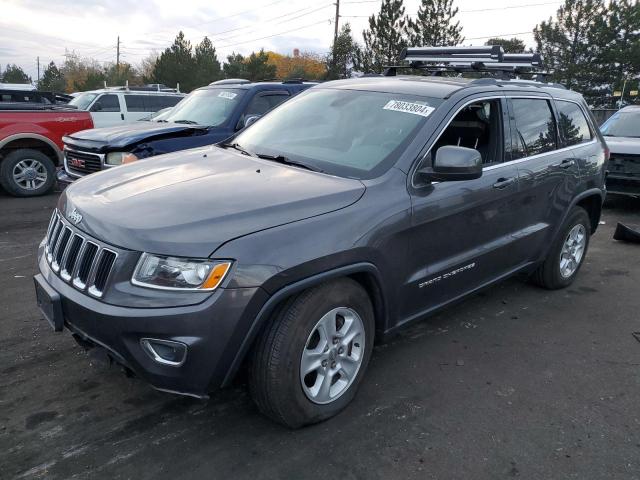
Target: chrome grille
{"points": [[76, 259], [82, 163]]}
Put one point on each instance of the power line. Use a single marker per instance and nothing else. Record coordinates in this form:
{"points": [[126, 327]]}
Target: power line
{"points": [[277, 34]]}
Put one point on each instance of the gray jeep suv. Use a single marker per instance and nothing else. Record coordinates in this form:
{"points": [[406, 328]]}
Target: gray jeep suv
{"points": [[344, 214]]}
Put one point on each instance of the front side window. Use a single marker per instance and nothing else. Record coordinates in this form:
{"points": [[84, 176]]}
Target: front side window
{"points": [[573, 125], [82, 102], [211, 107], [106, 103], [262, 103], [623, 124], [533, 127], [350, 133], [477, 126]]}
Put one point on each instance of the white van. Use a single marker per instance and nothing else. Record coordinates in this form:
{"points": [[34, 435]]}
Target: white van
{"points": [[120, 105]]}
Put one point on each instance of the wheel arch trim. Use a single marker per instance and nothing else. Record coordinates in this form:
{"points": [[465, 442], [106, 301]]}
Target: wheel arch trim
{"points": [[291, 289], [33, 136]]}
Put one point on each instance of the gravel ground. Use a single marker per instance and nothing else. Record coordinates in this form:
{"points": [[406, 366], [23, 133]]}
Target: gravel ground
{"points": [[515, 381]]}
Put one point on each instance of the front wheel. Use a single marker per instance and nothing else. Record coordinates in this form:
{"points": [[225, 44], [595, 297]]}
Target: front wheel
{"points": [[309, 362], [567, 253]]}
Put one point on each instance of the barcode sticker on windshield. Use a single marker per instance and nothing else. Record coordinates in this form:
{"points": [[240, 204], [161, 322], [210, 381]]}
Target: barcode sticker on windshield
{"points": [[228, 95], [409, 107]]}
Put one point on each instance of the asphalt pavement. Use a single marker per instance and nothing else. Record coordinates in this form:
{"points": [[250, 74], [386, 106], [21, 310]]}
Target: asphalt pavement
{"points": [[513, 382]]}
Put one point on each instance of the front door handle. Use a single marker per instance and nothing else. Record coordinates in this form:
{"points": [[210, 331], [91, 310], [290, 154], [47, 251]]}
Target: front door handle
{"points": [[122, 116], [566, 163], [504, 182]]}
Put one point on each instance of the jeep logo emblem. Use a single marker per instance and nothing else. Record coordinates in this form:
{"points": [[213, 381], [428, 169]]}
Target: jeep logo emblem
{"points": [[75, 216]]}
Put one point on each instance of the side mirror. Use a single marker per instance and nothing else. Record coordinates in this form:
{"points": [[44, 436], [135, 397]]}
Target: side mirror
{"points": [[96, 107], [251, 119], [454, 163]]}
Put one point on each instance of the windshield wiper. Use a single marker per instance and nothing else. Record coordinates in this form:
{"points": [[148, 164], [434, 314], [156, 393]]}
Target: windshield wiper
{"points": [[287, 161], [189, 122], [236, 146]]}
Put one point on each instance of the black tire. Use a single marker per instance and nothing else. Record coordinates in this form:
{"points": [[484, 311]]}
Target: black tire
{"points": [[26, 154], [548, 274], [274, 370]]}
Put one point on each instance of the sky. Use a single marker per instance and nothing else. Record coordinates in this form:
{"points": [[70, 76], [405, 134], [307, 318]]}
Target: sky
{"points": [[49, 28]]}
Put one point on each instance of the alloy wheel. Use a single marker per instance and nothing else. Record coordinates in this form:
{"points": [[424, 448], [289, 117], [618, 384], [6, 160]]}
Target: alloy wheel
{"points": [[332, 355]]}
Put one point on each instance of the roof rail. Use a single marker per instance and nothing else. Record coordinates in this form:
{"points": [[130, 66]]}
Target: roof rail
{"points": [[490, 59], [231, 81]]}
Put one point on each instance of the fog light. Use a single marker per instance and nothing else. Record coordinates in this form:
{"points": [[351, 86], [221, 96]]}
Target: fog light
{"points": [[165, 352]]}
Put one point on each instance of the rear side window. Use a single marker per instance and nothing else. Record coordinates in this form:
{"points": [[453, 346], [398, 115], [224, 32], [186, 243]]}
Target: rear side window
{"points": [[573, 125], [533, 127], [106, 103], [135, 103]]}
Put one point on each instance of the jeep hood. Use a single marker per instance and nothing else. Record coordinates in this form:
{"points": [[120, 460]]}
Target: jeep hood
{"points": [[189, 203], [623, 145], [123, 136]]}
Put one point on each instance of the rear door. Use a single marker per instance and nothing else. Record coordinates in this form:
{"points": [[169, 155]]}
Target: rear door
{"points": [[462, 232], [548, 174], [107, 111]]}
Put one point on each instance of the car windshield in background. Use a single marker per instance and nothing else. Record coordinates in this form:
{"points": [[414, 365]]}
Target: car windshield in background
{"points": [[623, 124], [349, 133], [210, 107], [82, 102]]}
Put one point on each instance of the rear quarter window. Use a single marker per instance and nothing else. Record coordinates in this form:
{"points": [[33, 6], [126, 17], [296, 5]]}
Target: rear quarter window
{"points": [[572, 123]]}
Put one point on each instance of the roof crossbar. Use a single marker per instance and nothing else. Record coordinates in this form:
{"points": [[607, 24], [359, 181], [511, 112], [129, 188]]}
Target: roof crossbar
{"points": [[467, 59]]}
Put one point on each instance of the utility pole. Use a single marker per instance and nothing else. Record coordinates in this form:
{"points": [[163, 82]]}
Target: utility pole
{"points": [[38, 72], [335, 34], [118, 55]]}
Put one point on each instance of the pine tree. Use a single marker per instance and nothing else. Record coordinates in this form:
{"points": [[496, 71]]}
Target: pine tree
{"points": [[14, 74], [386, 37], [235, 66], [513, 45], [258, 68], [619, 64], [434, 25], [343, 55], [207, 65], [568, 44], [176, 65], [52, 79]]}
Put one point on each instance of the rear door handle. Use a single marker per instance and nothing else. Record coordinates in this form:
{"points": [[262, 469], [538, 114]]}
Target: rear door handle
{"points": [[566, 163], [504, 182]]}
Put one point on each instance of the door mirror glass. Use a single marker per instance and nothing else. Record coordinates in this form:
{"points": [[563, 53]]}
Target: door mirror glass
{"points": [[453, 163], [251, 119], [96, 107]]}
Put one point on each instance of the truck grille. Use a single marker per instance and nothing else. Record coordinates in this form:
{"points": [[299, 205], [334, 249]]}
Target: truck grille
{"points": [[82, 163], [624, 164], [76, 259]]}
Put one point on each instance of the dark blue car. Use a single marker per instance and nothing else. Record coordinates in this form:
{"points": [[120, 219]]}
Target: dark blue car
{"points": [[207, 116]]}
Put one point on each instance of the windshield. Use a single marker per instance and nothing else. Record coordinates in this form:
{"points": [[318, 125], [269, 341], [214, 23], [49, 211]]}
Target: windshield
{"points": [[82, 101], [349, 133], [623, 124], [211, 107]]}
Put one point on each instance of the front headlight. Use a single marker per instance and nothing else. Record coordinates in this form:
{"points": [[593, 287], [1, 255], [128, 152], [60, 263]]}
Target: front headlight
{"points": [[175, 273], [119, 158]]}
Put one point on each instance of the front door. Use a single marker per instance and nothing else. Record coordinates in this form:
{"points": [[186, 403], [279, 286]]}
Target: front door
{"points": [[106, 111], [462, 231]]}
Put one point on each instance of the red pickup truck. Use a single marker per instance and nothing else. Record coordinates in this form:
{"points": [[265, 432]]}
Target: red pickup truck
{"points": [[31, 145]]}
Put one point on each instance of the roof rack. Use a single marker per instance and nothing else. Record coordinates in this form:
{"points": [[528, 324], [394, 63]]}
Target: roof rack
{"points": [[231, 81], [491, 59], [152, 87]]}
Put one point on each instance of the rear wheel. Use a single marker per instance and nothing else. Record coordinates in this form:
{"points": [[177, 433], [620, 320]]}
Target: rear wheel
{"points": [[27, 173], [310, 360], [567, 253]]}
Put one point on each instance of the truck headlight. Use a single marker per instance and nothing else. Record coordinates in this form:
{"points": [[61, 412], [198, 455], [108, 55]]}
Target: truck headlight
{"points": [[119, 158], [176, 273]]}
